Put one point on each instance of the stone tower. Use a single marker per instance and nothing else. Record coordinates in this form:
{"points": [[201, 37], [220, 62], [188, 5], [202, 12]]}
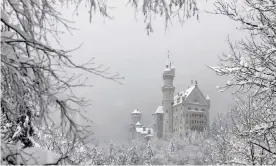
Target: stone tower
{"points": [[158, 115], [135, 121], [135, 116], [168, 94]]}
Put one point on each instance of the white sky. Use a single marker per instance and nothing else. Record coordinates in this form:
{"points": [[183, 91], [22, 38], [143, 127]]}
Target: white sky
{"points": [[123, 45]]}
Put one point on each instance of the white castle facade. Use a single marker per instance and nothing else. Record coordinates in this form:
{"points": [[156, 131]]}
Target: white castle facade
{"points": [[188, 110]]}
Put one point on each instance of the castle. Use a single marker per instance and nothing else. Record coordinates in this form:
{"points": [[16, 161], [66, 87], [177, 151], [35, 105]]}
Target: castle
{"points": [[188, 110]]}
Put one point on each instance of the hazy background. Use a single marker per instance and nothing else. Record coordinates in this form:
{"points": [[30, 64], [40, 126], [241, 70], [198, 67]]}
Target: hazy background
{"points": [[123, 45]]}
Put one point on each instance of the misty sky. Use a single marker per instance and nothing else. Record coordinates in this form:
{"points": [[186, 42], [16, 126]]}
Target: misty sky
{"points": [[123, 45]]}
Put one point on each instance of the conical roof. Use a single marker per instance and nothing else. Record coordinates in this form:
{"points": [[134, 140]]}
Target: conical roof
{"points": [[136, 112]]}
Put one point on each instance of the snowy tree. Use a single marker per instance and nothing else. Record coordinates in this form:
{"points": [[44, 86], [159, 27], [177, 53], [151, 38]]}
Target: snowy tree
{"points": [[111, 159], [122, 156], [34, 74], [242, 136], [171, 146], [220, 141], [148, 154], [254, 131], [251, 66], [181, 9], [133, 157], [96, 157]]}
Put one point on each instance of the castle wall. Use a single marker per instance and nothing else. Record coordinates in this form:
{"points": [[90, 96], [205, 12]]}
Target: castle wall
{"points": [[190, 117]]}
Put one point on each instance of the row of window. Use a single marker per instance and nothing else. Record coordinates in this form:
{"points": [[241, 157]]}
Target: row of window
{"points": [[189, 108], [196, 115], [175, 130], [197, 122], [191, 115], [198, 128]]}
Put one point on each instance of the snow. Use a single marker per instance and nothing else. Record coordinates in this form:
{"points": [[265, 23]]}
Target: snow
{"points": [[167, 69], [208, 97], [229, 82], [9, 125], [141, 131], [172, 66], [159, 110], [18, 131], [136, 112], [138, 124], [185, 93], [26, 121], [189, 90]]}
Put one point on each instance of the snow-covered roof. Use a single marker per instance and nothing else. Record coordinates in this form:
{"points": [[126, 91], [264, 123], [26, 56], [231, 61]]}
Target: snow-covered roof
{"points": [[189, 90], [159, 110], [138, 124], [208, 97], [167, 69], [141, 131], [183, 95], [136, 112], [186, 93]]}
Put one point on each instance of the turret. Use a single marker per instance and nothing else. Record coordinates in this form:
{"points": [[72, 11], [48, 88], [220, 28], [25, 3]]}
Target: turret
{"points": [[168, 92], [158, 115], [135, 116]]}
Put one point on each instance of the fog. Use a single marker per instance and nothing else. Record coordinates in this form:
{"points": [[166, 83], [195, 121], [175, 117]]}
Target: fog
{"points": [[123, 45]]}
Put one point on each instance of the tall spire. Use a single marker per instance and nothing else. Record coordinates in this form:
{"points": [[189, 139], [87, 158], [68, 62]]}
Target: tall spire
{"points": [[168, 61], [169, 58]]}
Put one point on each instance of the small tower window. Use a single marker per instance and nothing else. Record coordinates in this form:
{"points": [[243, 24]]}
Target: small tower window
{"points": [[189, 108], [196, 109], [202, 109]]}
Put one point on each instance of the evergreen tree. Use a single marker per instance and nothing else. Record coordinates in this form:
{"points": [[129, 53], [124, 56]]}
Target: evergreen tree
{"points": [[172, 147]]}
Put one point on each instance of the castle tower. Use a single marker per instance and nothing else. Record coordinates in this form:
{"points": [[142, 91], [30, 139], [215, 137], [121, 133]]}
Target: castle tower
{"points": [[135, 122], [135, 116], [168, 93]]}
